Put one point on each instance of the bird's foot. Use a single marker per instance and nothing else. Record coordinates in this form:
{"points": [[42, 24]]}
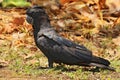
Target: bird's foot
{"points": [[97, 69]]}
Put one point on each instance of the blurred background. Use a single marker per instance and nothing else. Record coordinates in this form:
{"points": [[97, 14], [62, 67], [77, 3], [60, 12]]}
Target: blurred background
{"points": [[92, 23]]}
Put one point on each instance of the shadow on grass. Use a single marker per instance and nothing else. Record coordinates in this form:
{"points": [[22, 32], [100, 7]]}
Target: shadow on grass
{"points": [[62, 68], [65, 69]]}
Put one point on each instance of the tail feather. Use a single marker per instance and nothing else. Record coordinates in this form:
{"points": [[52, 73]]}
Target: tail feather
{"points": [[102, 66], [102, 63]]}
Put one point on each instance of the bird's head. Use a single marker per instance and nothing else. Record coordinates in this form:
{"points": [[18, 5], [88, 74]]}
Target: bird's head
{"points": [[35, 13]]}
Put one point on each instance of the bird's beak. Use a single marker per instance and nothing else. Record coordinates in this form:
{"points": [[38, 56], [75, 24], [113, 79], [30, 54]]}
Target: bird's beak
{"points": [[29, 20]]}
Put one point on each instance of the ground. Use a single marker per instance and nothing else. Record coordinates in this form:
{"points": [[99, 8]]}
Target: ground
{"points": [[20, 59]]}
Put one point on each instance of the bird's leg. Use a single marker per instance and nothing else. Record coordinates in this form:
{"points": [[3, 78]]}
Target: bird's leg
{"points": [[50, 63], [96, 69], [60, 63]]}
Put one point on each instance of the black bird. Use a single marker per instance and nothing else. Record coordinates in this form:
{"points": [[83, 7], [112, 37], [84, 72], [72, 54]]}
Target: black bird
{"points": [[56, 48]]}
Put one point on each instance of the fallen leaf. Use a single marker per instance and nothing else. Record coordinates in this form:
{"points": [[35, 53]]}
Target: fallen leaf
{"points": [[116, 41], [102, 4], [67, 1], [18, 21], [3, 63]]}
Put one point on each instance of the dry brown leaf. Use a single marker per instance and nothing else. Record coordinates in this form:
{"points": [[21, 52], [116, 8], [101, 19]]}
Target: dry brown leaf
{"points": [[33, 61], [18, 21], [8, 28], [3, 63], [102, 4], [81, 18], [61, 23], [67, 1], [33, 48], [114, 5], [28, 56], [117, 40]]}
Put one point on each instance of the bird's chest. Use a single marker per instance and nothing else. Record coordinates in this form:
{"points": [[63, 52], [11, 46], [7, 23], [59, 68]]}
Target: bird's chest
{"points": [[44, 42], [46, 46]]}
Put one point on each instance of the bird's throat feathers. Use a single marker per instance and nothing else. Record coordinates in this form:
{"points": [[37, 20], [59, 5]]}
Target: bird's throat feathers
{"points": [[41, 23]]}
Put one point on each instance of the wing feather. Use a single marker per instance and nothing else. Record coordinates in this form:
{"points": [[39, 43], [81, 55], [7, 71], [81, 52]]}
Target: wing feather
{"points": [[64, 42]]}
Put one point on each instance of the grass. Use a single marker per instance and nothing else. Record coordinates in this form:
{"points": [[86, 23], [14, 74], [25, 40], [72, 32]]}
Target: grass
{"points": [[19, 62], [25, 63]]}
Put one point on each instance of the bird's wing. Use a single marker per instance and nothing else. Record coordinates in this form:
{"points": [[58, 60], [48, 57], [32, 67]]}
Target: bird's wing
{"points": [[80, 50]]}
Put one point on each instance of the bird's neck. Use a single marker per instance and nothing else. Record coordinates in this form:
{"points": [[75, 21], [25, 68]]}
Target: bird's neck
{"points": [[40, 24], [43, 23]]}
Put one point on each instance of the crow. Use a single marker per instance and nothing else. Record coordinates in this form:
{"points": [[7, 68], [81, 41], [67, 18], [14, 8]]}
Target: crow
{"points": [[56, 48]]}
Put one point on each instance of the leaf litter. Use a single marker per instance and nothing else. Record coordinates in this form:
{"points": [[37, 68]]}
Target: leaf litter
{"points": [[93, 23]]}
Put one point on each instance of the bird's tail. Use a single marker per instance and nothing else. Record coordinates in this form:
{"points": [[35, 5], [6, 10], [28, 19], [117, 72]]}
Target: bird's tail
{"points": [[100, 62]]}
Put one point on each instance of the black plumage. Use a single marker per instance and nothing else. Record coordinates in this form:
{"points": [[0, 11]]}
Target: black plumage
{"points": [[56, 48]]}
